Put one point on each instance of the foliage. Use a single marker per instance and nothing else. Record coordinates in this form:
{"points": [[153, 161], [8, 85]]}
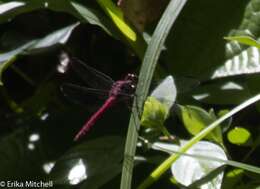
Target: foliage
{"points": [[207, 51]]}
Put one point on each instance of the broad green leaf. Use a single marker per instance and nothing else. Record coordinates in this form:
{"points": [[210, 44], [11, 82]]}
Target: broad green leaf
{"points": [[222, 92], [25, 152], [197, 49], [239, 136], [95, 162], [166, 92], [241, 58], [244, 63], [158, 105], [154, 114], [58, 37], [188, 170], [4, 7], [172, 149], [93, 17], [195, 119], [72, 7], [84, 13], [10, 9], [209, 51], [15, 152]]}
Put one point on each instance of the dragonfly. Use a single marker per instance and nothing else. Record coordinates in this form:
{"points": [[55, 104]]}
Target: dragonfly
{"points": [[101, 84]]}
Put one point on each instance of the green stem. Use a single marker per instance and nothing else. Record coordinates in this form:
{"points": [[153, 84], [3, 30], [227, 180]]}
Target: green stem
{"points": [[23, 75], [10, 102], [165, 131]]}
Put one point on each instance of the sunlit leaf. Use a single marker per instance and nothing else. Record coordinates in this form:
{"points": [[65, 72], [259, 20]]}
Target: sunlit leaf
{"points": [[188, 170], [58, 37], [196, 119], [158, 105], [224, 93], [241, 58], [154, 113], [239, 136], [246, 40], [92, 16], [117, 16], [94, 162], [9, 6], [166, 92], [244, 63]]}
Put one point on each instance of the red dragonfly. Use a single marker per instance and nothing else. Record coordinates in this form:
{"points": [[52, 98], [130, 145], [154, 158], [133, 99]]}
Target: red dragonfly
{"points": [[101, 85]]}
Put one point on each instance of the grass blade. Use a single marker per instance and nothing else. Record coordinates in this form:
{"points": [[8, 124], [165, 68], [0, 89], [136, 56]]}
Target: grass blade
{"points": [[146, 73]]}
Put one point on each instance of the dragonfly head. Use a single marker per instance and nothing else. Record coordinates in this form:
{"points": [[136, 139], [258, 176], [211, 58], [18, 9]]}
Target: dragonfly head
{"points": [[130, 82], [132, 78]]}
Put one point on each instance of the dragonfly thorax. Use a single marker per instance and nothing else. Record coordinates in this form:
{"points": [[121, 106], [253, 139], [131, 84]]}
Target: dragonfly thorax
{"points": [[123, 87]]}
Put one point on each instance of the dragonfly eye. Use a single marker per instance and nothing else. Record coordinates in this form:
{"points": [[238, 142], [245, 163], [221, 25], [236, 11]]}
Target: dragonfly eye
{"points": [[132, 78]]}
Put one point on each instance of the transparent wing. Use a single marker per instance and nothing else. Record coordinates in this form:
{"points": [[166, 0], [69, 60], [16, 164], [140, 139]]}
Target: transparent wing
{"points": [[83, 95], [92, 77]]}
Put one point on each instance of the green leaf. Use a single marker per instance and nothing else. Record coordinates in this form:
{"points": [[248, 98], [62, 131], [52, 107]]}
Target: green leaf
{"points": [[187, 170], [166, 92], [8, 10], [195, 119], [172, 149], [95, 162], [222, 92], [154, 114], [241, 58], [93, 17], [246, 40], [84, 13], [158, 105], [239, 136], [58, 37], [116, 15], [5, 7]]}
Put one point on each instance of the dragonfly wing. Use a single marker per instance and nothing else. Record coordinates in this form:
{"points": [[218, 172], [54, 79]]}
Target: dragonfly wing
{"points": [[91, 76], [83, 95]]}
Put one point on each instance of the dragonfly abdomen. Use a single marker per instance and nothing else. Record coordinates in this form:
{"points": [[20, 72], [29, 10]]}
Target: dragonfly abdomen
{"points": [[87, 126]]}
